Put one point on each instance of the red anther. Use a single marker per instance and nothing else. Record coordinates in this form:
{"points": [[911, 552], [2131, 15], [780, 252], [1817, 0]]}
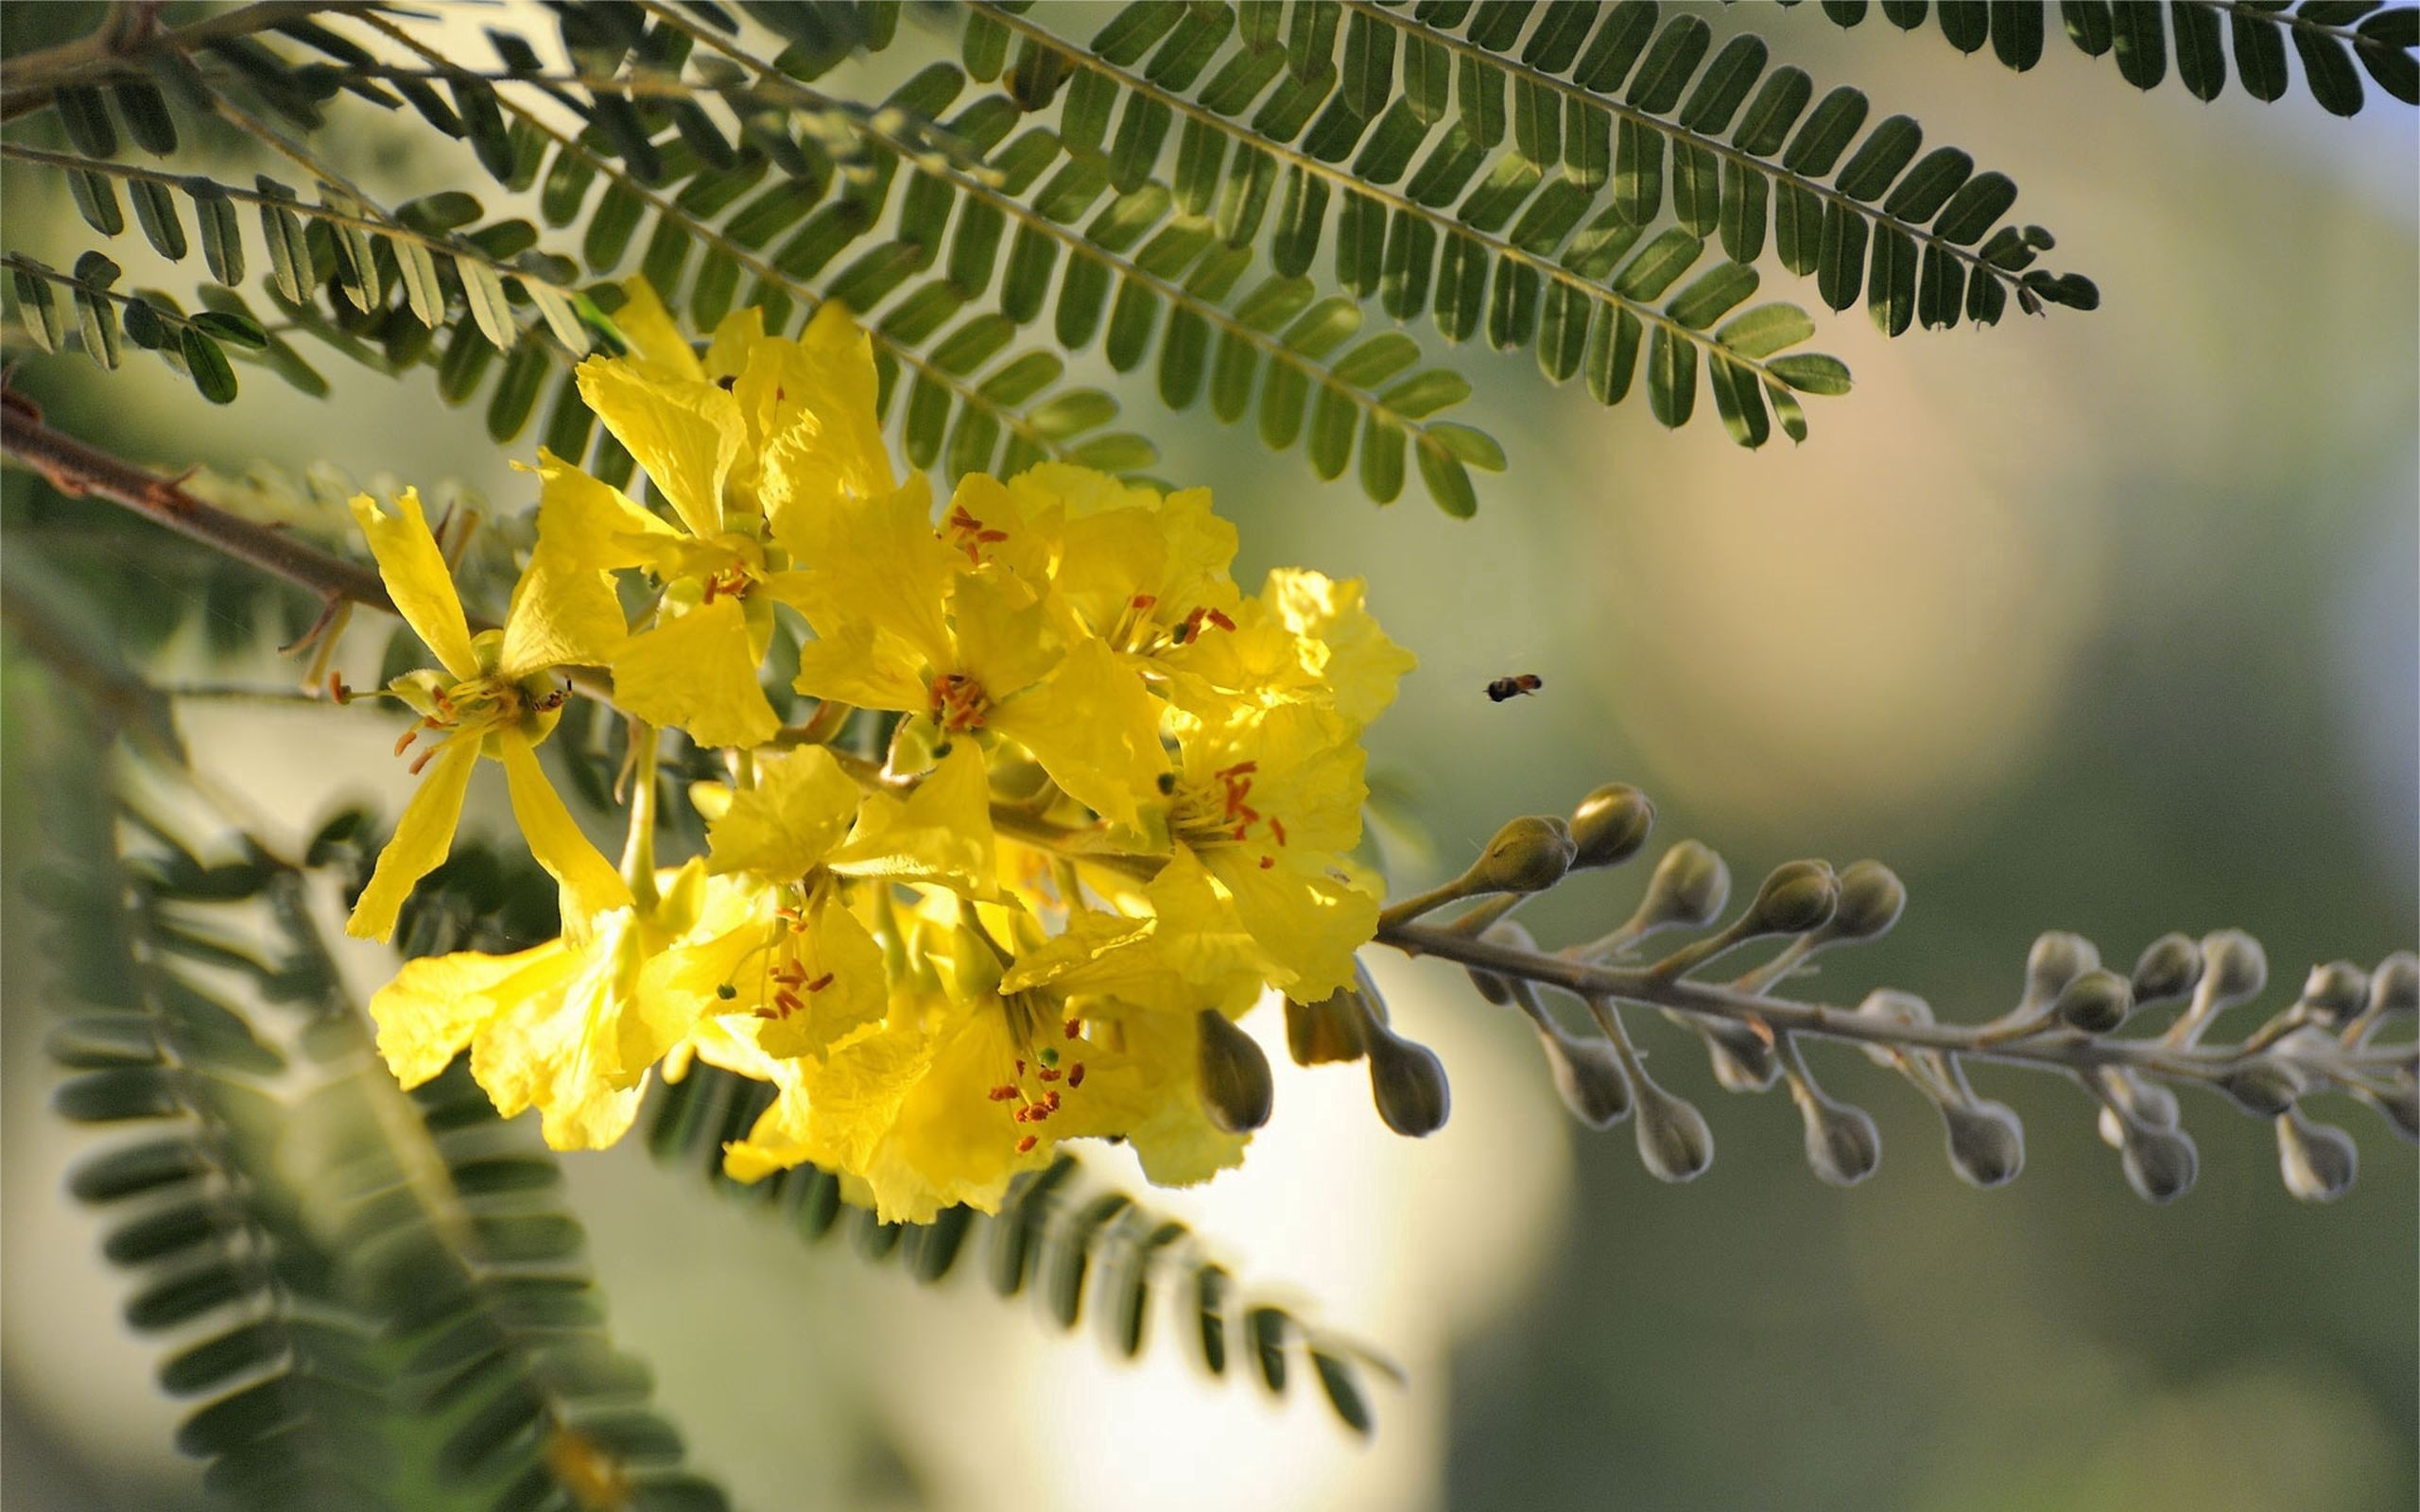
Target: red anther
{"points": [[1277, 828], [1267, 861], [1239, 831], [780, 394], [1020, 1067], [1001, 1093], [789, 1003], [1221, 620], [424, 759], [1052, 1102], [337, 688], [1023, 1115], [1239, 769], [403, 743], [1076, 1076], [1046, 1074], [1025, 1145], [1238, 809], [442, 699], [1075, 1027], [820, 983], [763, 1013], [791, 975], [1142, 601]]}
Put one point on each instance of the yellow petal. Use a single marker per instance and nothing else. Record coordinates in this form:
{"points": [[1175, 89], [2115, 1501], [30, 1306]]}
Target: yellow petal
{"points": [[417, 579], [1307, 922], [1004, 641], [854, 665], [590, 884], [1175, 1140], [697, 673], [1361, 665], [839, 953], [836, 1115], [815, 399], [584, 521], [685, 435], [876, 562], [785, 826], [427, 1015], [559, 1051], [1094, 728], [652, 333], [421, 838], [561, 617], [941, 834]]}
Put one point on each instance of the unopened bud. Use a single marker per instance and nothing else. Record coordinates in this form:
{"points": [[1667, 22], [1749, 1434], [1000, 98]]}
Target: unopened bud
{"points": [[2334, 992], [1610, 825], [2238, 968], [2318, 1160], [2056, 959], [1508, 933], [1742, 1061], [2161, 1163], [1528, 854], [2168, 967], [2096, 1002], [1588, 1076], [2262, 1090], [2394, 986], [1673, 1140], [1843, 1146], [1408, 1082], [1238, 1092], [1986, 1142], [1690, 888], [1892, 1005], [1328, 1031], [2142, 1102], [1797, 896], [1872, 899], [2401, 1108]]}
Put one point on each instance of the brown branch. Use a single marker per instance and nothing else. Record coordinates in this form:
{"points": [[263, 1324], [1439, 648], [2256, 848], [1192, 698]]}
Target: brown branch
{"points": [[78, 468]]}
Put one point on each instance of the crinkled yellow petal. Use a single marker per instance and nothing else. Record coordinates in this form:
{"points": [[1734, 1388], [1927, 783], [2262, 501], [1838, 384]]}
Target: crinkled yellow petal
{"points": [[421, 838], [837, 1114], [696, 673], [1308, 771], [1003, 633], [845, 987], [427, 1015], [591, 885], [687, 434], [1094, 728], [876, 562], [940, 834], [561, 617], [1090, 935], [1026, 528], [583, 522], [652, 333], [1361, 665], [417, 579], [1307, 922], [853, 664], [815, 399], [559, 1052], [785, 826]]}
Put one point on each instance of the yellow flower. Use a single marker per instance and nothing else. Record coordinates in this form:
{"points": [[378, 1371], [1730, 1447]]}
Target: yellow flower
{"points": [[991, 663], [496, 693], [1306, 639], [569, 1027], [1270, 801]]}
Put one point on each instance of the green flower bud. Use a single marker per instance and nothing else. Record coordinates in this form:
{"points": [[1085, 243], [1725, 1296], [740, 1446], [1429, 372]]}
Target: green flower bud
{"points": [[1843, 1145], [1872, 899], [2318, 1160], [1528, 854], [1326, 1032], [1588, 1076], [1797, 896], [1673, 1140], [2334, 992], [2161, 1164], [2145, 1102], [2401, 1108], [2096, 1002], [1610, 825], [2168, 967], [1408, 1082], [2394, 986], [2238, 968], [1689, 887], [2263, 1089], [2056, 959], [1742, 1062], [1986, 1143], [1510, 935], [1895, 1006], [1238, 1092]]}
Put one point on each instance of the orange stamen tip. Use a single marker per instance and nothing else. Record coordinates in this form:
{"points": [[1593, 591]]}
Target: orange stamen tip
{"points": [[1001, 1093], [403, 742], [820, 983], [1239, 769], [1221, 621], [1277, 828], [1267, 862], [1051, 1102], [1075, 1027], [1075, 1074], [1025, 1145], [789, 1003], [424, 759], [1046, 1074], [1142, 601], [1020, 1067]]}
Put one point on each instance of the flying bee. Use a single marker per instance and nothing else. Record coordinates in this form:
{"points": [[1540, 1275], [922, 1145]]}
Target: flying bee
{"points": [[1503, 688]]}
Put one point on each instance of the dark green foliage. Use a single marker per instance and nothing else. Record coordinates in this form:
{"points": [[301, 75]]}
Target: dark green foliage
{"points": [[2329, 37]]}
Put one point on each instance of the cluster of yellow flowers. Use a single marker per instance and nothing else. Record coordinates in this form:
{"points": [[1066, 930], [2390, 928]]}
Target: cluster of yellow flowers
{"points": [[1115, 810]]}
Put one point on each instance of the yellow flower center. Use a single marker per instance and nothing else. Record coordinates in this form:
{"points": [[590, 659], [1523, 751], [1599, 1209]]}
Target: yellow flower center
{"points": [[969, 535], [480, 705], [960, 703], [1206, 815], [1041, 1078]]}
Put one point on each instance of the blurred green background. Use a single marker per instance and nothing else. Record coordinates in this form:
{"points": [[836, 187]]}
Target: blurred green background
{"points": [[2102, 622]]}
